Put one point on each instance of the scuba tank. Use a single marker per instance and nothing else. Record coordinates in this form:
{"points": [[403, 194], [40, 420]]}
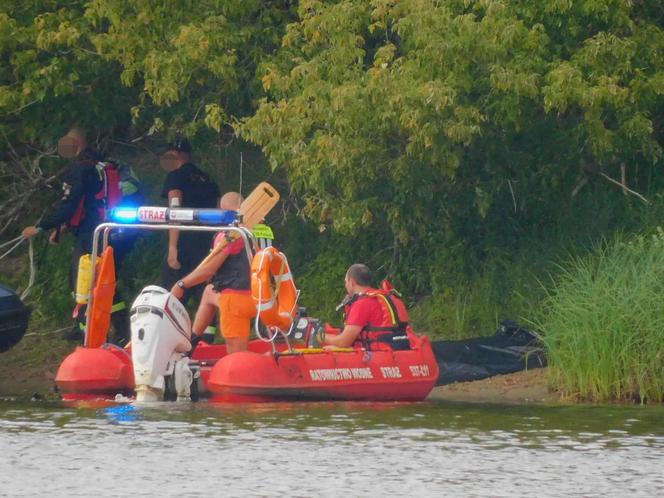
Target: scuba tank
{"points": [[83, 278]]}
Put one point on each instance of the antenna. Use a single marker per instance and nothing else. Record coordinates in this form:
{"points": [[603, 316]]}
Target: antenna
{"points": [[241, 164]]}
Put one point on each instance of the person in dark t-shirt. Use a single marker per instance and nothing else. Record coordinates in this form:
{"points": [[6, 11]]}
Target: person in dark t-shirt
{"points": [[186, 185]]}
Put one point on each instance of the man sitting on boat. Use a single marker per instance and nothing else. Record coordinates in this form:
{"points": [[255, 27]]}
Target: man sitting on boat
{"points": [[230, 272], [374, 318]]}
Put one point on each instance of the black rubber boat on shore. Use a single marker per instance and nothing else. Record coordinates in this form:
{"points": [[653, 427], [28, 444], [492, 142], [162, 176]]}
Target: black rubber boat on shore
{"points": [[14, 317], [511, 349]]}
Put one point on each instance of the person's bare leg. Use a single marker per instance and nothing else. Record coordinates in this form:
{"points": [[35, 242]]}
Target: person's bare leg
{"points": [[206, 310], [236, 344]]}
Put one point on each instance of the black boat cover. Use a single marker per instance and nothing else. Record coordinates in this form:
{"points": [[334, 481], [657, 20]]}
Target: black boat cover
{"points": [[511, 349], [14, 316]]}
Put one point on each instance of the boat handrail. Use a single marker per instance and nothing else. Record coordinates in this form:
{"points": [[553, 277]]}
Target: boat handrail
{"points": [[104, 230]]}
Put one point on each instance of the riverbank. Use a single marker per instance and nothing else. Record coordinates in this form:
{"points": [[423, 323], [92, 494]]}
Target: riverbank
{"points": [[526, 387], [29, 369]]}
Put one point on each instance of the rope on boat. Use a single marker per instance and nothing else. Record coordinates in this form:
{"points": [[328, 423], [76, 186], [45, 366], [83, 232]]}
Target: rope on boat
{"points": [[297, 351], [50, 332]]}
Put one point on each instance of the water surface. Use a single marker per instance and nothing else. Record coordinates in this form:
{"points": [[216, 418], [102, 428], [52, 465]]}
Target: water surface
{"points": [[329, 449]]}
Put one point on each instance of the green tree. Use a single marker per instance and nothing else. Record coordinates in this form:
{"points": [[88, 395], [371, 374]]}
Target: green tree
{"points": [[176, 65], [426, 138], [450, 124]]}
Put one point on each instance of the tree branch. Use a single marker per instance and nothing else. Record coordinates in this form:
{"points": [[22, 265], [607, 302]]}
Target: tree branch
{"points": [[579, 186], [509, 183], [625, 188]]}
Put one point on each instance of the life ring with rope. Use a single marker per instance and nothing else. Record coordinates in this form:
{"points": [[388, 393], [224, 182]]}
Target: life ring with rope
{"points": [[273, 289]]}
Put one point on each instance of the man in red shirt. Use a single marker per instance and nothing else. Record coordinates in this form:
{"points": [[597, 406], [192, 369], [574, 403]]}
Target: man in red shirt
{"points": [[363, 313], [378, 318]]}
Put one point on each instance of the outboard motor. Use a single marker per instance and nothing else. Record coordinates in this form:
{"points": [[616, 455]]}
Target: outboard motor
{"points": [[160, 335]]}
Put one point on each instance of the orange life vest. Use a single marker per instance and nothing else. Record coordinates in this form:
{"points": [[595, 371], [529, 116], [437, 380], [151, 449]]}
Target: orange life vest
{"points": [[394, 326]]}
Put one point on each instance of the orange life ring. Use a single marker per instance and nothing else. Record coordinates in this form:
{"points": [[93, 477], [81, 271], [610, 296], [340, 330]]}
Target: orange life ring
{"points": [[273, 288]]}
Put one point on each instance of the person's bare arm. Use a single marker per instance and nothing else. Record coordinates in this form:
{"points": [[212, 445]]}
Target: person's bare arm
{"points": [[205, 270], [346, 339], [201, 273], [173, 234]]}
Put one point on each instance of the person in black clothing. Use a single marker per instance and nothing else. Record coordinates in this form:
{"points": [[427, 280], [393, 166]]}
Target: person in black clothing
{"points": [[186, 185], [79, 211]]}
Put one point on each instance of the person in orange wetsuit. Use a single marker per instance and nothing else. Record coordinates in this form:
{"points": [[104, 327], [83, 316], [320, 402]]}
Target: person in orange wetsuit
{"points": [[230, 273], [374, 318]]}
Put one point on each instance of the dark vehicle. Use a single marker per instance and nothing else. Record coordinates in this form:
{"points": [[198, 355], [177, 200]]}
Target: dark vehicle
{"points": [[14, 316]]}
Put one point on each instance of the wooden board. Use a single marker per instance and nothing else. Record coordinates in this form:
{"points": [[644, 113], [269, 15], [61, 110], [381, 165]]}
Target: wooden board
{"points": [[253, 210], [258, 204]]}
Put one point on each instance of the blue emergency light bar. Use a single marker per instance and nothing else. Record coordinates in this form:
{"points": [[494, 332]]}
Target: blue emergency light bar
{"points": [[124, 215], [183, 216], [216, 217]]}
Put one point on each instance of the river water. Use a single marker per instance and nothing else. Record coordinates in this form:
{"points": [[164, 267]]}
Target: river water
{"points": [[329, 449]]}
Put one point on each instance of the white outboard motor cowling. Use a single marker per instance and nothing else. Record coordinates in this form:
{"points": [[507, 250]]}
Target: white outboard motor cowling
{"points": [[160, 335]]}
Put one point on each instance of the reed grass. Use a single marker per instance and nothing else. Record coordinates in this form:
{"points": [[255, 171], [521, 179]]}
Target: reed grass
{"points": [[603, 322]]}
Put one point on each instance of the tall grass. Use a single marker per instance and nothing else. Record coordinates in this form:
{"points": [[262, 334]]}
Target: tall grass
{"points": [[603, 322]]}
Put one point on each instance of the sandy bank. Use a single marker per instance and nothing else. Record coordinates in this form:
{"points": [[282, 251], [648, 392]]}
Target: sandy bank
{"points": [[527, 387]]}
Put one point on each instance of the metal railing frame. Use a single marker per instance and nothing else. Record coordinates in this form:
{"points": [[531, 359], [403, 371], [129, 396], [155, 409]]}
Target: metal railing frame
{"points": [[105, 229]]}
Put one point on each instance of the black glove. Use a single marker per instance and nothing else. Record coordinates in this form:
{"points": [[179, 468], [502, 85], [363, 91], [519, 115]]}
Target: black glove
{"points": [[205, 337], [317, 337]]}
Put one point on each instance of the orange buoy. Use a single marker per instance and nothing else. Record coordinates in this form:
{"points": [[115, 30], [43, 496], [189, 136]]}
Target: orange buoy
{"points": [[102, 301], [273, 288]]}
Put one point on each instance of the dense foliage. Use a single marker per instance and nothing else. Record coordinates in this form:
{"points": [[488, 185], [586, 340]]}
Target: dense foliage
{"points": [[423, 125], [447, 143], [174, 65]]}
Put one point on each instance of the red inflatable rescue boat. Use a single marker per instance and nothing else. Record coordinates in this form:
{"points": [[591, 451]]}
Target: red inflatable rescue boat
{"points": [[90, 373], [314, 374], [279, 367], [263, 375]]}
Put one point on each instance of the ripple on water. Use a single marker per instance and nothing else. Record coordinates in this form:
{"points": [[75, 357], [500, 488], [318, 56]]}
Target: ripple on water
{"points": [[330, 449]]}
